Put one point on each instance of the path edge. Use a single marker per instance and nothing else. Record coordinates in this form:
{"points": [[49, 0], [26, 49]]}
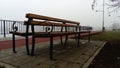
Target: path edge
{"points": [[87, 63]]}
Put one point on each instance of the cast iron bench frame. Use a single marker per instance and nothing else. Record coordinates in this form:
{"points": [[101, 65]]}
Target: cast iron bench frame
{"points": [[40, 20]]}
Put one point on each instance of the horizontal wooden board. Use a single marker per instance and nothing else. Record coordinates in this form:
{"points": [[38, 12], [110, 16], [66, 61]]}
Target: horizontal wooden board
{"points": [[41, 17], [50, 24]]}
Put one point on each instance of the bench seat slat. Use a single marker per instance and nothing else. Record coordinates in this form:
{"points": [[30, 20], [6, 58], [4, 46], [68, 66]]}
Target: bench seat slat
{"points": [[50, 24], [20, 33], [55, 34]]}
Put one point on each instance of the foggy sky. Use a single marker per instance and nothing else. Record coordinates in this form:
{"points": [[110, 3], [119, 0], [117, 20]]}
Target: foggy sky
{"points": [[76, 10]]}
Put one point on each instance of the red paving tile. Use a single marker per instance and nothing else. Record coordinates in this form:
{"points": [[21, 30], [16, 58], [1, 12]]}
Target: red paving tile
{"points": [[21, 42]]}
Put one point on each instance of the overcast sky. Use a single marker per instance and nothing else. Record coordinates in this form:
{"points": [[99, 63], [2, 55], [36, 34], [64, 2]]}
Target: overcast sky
{"points": [[76, 10]]}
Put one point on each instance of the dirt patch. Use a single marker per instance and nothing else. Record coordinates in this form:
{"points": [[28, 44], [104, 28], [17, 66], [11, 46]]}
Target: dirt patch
{"points": [[108, 57]]}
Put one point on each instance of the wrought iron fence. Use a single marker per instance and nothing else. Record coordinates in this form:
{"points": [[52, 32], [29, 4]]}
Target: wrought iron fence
{"points": [[6, 26], [86, 28]]}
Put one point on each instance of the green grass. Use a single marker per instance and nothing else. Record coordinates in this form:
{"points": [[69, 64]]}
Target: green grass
{"points": [[107, 36]]}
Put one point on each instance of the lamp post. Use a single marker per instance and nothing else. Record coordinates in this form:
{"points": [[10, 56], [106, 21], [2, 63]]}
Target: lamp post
{"points": [[103, 28]]}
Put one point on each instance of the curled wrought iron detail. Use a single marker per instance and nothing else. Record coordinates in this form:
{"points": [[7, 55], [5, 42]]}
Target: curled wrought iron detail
{"points": [[14, 28], [47, 29]]}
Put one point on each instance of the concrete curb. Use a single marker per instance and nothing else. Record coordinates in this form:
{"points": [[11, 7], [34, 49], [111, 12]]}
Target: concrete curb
{"points": [[93, 56], [6, 65]]}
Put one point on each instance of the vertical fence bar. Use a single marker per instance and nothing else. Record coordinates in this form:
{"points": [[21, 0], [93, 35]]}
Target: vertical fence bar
{"points": [[4, 28], [1, 27], [19, 25]]}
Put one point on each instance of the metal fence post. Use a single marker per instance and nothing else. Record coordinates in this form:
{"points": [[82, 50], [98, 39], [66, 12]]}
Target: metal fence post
{"points": [[4, 28]]}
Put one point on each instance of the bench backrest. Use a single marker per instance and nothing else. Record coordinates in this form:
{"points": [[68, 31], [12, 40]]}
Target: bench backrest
{"points": [[41, 17], [34, 19]]}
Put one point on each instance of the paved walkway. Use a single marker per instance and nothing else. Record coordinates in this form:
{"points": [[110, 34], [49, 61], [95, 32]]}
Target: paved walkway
{"points": [[68, 57], [21, 42]]}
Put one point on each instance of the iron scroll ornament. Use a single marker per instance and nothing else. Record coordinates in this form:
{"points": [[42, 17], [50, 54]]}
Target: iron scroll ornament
{"points": [[14, 28], [48, 29]]}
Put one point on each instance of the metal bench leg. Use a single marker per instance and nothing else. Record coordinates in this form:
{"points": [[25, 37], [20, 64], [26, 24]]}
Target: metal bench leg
{"points": [[51, 48], [27, 46], [78, 40], [13, 39], [61, 40], [75, 37], [33, 40], [89, 37], [66, 38], [33, 46]]}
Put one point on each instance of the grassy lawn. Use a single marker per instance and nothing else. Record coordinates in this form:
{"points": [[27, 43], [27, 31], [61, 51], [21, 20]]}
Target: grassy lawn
{"points": [[109, 55], [107, 36]]}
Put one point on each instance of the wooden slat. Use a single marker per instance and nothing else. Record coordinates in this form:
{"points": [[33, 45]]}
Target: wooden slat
{"points": [[20, 33], [50, 24], [41, 17], [54, 34]]}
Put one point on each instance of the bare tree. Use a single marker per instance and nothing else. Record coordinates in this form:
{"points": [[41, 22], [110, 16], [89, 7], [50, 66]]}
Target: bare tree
{"points": [[113, 5], [94, 2]]}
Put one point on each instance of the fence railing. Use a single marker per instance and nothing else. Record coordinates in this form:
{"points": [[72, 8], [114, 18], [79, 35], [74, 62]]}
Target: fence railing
{"points": [[86, 28], [6, 26]]}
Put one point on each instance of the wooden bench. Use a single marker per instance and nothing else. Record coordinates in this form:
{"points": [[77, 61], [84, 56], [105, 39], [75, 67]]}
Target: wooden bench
{"points": [[66, 28], [39, 20]]}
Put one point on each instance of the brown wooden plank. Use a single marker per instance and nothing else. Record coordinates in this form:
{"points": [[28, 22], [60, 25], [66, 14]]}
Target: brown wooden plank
{"points": [[41, 17], [50, 24], [20, 33]]}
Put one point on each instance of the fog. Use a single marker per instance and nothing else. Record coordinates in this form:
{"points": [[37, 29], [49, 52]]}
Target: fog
{"points": [[76, 10]]}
